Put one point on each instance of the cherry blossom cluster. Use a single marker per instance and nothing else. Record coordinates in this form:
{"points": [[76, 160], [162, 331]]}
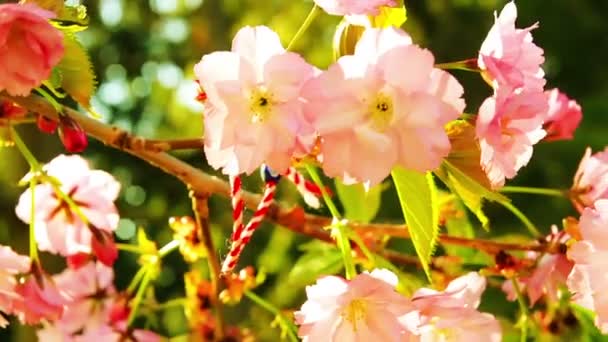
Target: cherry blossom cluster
{"points": [[71, 209], [367, 308], [384, 106]]}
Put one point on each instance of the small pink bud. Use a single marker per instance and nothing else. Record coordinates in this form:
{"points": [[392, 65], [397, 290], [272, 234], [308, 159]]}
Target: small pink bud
{"points": [[46, 125], [72, 136]]}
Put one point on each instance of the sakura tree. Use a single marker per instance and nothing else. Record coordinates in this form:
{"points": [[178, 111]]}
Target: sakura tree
{"points": [[316, 151]]}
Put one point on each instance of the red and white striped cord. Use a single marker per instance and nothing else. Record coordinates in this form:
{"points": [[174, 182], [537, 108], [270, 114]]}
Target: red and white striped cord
{"points": [[240, 240], [309, 190], [238, 206]]}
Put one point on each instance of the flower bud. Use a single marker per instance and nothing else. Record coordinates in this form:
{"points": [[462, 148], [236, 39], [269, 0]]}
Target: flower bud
{"points": [[72, 136], [46, 125], [103, 247]]}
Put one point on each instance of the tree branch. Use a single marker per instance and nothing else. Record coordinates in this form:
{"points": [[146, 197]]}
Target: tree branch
{"points": [[294, 219], [201, 213]]}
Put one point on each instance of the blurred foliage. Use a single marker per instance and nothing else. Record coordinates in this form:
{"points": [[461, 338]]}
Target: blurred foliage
{"points": [[143, 53]]}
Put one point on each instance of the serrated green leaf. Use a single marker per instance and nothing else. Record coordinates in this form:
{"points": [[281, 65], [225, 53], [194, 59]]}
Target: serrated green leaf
{"points": [[359, 205], [472, 193], [78, 79], [418, 197], [56, 78], [389, 16]]}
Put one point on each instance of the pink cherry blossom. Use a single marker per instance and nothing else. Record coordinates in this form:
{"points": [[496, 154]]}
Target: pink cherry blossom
{"points": [[563, 117], [382, 107], [365, 308], [549, 274], [591, 179], [508, 57], [587, 281], [90, 289], [29, 47], [42, 300], [508, 125], [60, 230], [253, 109], [11, 264], [451, 315], [353, 7]]}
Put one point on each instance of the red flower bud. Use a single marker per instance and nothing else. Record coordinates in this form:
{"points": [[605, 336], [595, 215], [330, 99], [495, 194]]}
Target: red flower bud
{"points": [[46, 125], [103, 247], [72, 136], [10, 110]]}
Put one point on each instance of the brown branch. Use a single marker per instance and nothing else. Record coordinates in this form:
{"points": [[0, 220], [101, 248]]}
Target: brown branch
{"points": [[200, 206], [177, 144], [294, 219]]}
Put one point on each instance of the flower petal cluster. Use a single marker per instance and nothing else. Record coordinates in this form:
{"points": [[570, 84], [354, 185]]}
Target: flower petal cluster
{"points": [[59, 229], [508, 125], [11, 265], [253, 111], [384, 106], [588, 280], [366, 308], [518, 114], [452, 315], [29, 47], [508, 57], [41, 299], [88, 314]]}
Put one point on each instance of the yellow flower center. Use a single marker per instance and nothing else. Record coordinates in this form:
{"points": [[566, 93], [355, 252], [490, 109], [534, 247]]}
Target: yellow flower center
{"points": [[444, 334], [355, 312], [260, 104], [381, 109]]}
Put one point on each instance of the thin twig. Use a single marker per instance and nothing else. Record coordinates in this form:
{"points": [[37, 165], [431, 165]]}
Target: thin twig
{"points": [[200, 207]]}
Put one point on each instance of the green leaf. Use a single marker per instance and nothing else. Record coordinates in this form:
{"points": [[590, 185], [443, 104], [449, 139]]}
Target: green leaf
{"points": [[359, 205], [77, 77], [418, 197], [320, 259], [587, 329], [471, 192], [457, 224], [389, 16]]}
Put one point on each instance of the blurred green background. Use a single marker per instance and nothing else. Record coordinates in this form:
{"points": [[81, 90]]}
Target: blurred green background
{"points": [[144, 51]]}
